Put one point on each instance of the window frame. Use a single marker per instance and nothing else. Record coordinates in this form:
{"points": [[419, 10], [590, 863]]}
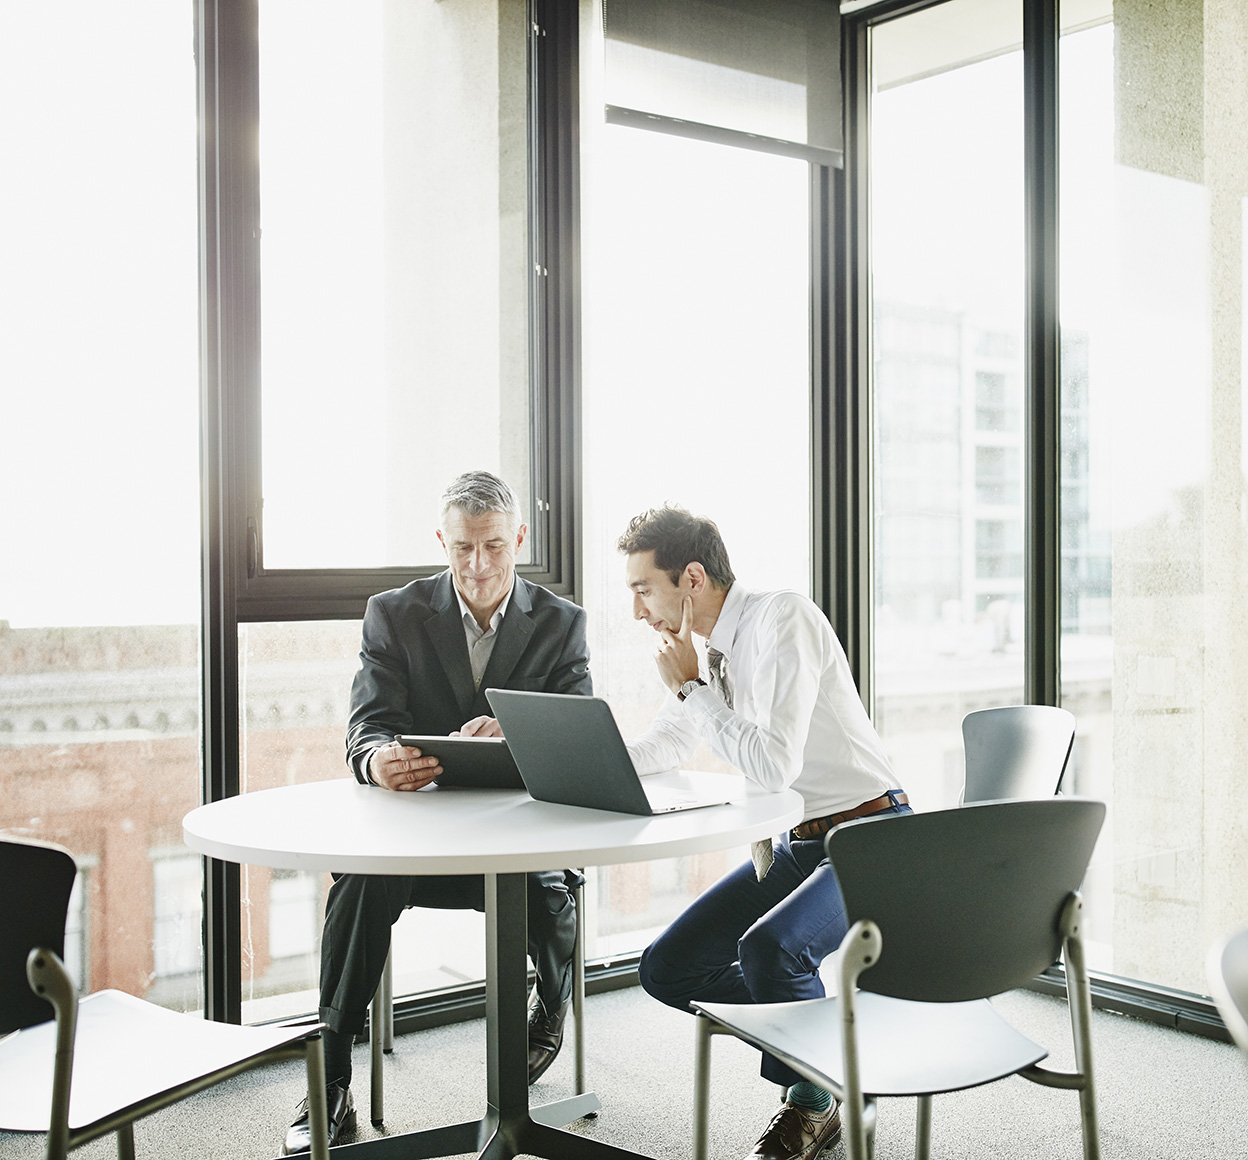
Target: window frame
{"points": [[1041, 411], [236, 588], [232, 295]]}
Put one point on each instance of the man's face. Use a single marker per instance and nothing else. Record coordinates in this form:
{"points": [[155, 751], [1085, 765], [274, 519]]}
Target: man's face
{"points": [[482, 554], [656, 600]]}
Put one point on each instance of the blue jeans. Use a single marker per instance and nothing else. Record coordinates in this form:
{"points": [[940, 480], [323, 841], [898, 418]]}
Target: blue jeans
{"points": [[745, 941]]}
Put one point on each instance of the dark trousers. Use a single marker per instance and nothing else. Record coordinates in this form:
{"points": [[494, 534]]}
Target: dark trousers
{"points": [[362, 908], [745, 941]]}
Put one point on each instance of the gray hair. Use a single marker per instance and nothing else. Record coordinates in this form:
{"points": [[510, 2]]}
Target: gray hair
{"points": [[477, 493]]}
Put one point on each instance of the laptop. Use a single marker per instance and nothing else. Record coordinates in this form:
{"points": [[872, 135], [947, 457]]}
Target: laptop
{"points": [[569, 750]]}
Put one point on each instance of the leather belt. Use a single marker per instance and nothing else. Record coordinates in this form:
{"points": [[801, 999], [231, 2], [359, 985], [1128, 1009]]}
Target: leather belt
{"points": [[817, 827]]}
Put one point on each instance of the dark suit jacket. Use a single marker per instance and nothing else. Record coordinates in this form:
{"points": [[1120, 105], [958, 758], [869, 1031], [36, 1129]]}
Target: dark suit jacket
{"points": [[415, 676]]}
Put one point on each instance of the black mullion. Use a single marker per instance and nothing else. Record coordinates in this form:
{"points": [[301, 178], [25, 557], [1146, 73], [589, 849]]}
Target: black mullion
{"points": [[542, 486], [554, 148], [720, 135], [823, 345], [1042, 560], [851, 515], [227, 94]]}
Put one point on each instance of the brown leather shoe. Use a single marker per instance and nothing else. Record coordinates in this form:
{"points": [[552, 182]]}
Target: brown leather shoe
{"points": [[798, 1134], [545, 1037]]}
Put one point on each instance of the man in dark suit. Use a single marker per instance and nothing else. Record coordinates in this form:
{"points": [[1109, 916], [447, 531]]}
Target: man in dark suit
{"points": [[429, 652]]}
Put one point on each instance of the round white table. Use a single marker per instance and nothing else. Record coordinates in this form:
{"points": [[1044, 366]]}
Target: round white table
{"points": [[346, 827]]}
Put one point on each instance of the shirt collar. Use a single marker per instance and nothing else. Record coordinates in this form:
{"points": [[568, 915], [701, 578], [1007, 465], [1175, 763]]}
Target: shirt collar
{"points": [[466, 613], [725, 630]]}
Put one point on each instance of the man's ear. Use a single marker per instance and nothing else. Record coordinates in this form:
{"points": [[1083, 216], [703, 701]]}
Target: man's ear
{"points": [[441, 541], [521, 532], [697, 577]]}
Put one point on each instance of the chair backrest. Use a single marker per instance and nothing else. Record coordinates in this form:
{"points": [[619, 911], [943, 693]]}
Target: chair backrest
{"points": [[35, 883], [1016, 751], [1228, 982], [968, 900]]}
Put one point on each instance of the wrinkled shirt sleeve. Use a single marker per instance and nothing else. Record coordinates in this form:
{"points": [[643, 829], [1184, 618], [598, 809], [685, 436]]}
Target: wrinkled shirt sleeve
{"points": [[670, 740], [783, 691]]}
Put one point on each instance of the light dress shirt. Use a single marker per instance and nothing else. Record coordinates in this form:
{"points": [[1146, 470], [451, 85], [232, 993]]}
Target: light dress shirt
{"points": [[796, 719], [481, 640], [480, 648]]}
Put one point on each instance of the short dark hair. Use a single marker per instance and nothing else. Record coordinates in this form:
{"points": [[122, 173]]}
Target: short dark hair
{"points": [[677, 539]]}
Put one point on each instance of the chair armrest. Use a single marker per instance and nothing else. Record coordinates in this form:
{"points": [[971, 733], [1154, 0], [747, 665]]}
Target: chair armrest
{"points": [[859, 949], [48, 978]]}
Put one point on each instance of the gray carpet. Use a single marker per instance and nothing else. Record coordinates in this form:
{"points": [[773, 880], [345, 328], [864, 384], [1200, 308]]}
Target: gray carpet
{"points": [[1163, 1094]]}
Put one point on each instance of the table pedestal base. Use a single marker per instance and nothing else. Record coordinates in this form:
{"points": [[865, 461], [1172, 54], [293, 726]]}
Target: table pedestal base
{"points": [[490, 1139], [508, 1128]]}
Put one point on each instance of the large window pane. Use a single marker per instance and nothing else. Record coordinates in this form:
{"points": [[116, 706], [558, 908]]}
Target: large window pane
{"points": [[395, 269], [1154, 588], [99, 515], [296, 681], [947, 263], [697, 391]]}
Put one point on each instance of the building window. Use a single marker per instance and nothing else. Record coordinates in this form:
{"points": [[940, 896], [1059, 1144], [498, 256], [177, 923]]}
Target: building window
{"points": [[78, 933], [100, 573], [295, 911], [177, 896]]}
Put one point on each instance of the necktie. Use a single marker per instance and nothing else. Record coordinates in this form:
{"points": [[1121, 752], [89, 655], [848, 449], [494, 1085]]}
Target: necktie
{"points": [[761, 853]]}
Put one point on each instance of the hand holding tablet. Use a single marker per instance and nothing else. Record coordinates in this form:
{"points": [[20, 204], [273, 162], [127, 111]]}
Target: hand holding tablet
{"points": [[470, 762]]}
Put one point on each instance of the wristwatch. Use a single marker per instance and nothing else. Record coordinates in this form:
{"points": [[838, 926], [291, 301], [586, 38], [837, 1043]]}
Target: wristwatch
{"points": [[689, 686]]}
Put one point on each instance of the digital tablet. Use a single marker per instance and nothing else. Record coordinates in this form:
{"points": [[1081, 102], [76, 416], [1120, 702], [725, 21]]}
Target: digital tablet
{"points": [[473, 762]]}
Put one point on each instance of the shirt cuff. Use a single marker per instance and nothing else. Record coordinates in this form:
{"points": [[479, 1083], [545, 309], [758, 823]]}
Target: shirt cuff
{"points": [[701, 702]]}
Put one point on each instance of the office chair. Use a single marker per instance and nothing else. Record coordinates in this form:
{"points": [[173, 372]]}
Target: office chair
{"points": [[946, 909], [381, 1018], [1227, 969], [1016, 751], [103, 1062]]}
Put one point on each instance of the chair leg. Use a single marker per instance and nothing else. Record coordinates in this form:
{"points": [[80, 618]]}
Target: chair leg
{"points": [[387, 1011], [923, 1129], [578, 990], [318, 1108], [379, 1016], [1079, 999], [125, 1142], [702, 1086]]}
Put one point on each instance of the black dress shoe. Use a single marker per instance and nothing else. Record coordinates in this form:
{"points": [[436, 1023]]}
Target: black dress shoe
{"points": [[341, 1109], [545, 1038]]}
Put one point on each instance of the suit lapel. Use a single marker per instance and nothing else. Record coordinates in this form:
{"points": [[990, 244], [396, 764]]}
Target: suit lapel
{"points": [[446, 632], [513, 638]]}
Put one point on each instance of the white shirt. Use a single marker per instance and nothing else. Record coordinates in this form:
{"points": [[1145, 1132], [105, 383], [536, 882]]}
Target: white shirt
{"points": [[796, 718]]}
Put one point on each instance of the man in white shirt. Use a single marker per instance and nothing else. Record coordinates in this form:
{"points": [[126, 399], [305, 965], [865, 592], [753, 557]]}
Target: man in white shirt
{"points": [[780, 705]]}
